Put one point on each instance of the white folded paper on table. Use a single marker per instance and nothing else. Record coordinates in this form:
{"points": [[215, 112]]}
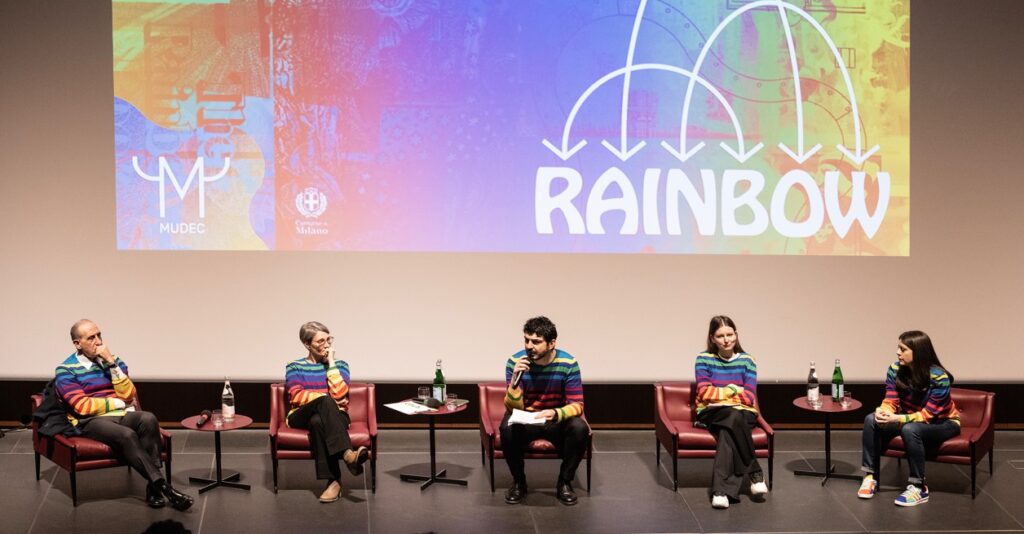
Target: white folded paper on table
{"points": [[523, 417], [409, 407]]}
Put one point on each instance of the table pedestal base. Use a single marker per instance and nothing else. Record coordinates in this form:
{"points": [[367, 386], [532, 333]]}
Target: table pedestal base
{"points": [[829, 466], [830, 474], [440, 478], [229, 481]]}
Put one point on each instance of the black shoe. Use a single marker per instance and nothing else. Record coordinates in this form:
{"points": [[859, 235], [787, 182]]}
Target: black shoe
{"points": [[515, 494], [154, 498], [565, 493], [179, 501]]}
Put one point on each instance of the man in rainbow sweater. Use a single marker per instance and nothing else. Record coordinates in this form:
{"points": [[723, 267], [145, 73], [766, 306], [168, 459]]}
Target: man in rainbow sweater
{"points": [[546, 381], [101, 401]]}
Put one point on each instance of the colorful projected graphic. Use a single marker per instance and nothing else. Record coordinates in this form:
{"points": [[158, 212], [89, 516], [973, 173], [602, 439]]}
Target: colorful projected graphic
{"points": [[721, 126]]}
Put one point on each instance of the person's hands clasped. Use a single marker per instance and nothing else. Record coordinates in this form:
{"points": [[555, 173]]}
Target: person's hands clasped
{"points": [[883, 417]]}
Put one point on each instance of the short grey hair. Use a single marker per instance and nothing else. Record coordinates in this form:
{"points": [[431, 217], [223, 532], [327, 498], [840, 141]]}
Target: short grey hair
{"points": [[308, 331]]}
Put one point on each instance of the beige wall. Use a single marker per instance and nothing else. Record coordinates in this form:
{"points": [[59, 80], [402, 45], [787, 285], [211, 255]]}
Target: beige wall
{"points": [[627, 318]]}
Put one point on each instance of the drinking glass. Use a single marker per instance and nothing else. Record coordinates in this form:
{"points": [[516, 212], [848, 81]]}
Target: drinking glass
{"points": [[450, 401], [217, 418], [423, 393], [847, 399]]}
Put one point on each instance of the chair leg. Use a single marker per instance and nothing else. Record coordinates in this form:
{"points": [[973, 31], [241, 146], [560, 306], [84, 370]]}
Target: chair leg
{"points": [[373, 475], [675, 472], [657, 452], [74, 486], [974, 471], [483, 455], [167, 468], [273, 461], [771, 468], [491, 457], [990, 453], [37, 466], [974, 476], [588, 472]]}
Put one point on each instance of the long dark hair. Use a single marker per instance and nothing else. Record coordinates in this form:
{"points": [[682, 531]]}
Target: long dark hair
{"points": [[917, 374], [717, 322]]}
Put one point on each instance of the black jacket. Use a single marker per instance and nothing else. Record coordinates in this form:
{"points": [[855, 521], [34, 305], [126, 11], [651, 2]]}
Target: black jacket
{"points": [[52, 415]]}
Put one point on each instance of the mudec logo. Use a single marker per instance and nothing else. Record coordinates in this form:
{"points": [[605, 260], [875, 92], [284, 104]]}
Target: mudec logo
{"points": [[198, 171], [651, 204]]}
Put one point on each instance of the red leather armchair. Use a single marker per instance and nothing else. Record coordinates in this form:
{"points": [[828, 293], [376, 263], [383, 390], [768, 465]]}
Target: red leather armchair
{"points": [[674, 415], [74, 454], [492, 411], [977, 434], [293, 443]]}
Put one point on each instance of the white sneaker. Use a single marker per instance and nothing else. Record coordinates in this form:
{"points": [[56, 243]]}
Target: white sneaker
{"points": [[758, 488], [719, 501]]}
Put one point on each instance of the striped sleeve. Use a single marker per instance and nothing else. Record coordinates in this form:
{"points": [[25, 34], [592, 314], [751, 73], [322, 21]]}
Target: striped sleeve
{"points": [[123, 385], [573, 394], [513, 396], [337, 380], [891, 401]]}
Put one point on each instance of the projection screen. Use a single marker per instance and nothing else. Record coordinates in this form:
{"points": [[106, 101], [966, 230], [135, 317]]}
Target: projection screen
{"points": [[721, 127]]}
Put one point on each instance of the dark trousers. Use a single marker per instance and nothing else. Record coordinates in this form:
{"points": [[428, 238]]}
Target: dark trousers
{"points": [[328, 434], [570, 438], [918, 438], [134, 436], [735, 456]]}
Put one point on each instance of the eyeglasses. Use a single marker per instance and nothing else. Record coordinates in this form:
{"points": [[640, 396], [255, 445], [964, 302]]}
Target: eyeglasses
{"points": [[324, 341]]}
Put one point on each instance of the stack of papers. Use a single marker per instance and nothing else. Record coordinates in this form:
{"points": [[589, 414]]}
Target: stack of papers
{"points": [[410, 407], [522, 417]]}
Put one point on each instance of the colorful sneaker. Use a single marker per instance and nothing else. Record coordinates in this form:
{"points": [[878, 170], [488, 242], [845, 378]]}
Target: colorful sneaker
{"points": [[868, 487], [913, 496], [719, 501]]}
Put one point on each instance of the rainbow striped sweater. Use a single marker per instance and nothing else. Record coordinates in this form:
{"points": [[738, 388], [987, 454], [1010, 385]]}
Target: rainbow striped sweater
{"points": [[88, 390], [932, 405], [306, 382], [723, 382], [556, 386]]}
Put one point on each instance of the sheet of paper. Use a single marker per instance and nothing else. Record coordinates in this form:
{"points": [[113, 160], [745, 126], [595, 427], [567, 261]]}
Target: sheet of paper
{"points": [[409, 407], [522, 417]]}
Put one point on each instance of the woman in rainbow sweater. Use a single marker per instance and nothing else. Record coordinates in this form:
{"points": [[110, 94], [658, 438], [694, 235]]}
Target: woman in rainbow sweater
{"points": [[726, 404], [917, 406], [317, 386]]}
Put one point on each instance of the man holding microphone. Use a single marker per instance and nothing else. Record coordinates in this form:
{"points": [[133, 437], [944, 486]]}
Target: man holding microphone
{"points": [[545, 381], [101, 401]]}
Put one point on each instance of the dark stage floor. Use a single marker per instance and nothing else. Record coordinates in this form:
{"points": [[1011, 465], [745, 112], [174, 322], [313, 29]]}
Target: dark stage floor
{"points": [[630, 492]]}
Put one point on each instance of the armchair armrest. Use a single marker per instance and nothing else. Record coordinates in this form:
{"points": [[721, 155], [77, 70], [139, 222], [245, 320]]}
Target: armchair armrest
{"points": [[486, 425], [371, 409], [662, 418], [764, 425]]}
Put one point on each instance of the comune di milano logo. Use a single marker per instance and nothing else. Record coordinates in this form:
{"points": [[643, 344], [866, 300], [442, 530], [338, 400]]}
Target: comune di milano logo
{"points": [[311, 203], [732, 185], [198, 171]]}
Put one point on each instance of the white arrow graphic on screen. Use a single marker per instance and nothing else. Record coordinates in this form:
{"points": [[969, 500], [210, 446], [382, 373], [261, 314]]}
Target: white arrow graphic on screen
{"points": [[800, 156], [858, 155], [624, 152], [565, 153]]}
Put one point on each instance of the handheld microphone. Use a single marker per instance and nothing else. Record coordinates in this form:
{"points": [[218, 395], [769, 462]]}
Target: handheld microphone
{"points": [[203, 418], [516, 377]]}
